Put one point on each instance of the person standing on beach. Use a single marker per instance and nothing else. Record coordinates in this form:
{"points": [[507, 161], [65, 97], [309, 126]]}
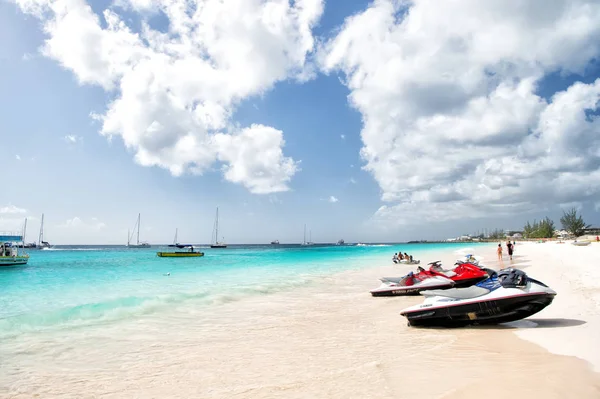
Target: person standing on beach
{"points": [[499, 250], [509, 247]]}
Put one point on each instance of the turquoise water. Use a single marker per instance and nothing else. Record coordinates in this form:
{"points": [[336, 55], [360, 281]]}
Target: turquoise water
{"points": [[78, 287]]}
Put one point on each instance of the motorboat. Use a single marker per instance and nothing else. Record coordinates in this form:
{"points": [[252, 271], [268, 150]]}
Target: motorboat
{"points": [[275, 242], [9, 250], [407, 261], [581, 243], [411, 284], [506, 296], [464, 274], [181, 254]]}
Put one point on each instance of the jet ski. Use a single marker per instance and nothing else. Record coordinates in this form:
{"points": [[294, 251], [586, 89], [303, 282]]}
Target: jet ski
{"points": [[464, 274], [505, 296], [411, 284]]}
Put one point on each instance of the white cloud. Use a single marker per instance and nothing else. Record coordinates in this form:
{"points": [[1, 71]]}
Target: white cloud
{"points": [[18, 157], [11, 209], [175, 91], [343, 136], [333, 199], [352, 180], [453, 126], [73, 139], [254, 158], [79, 224]]}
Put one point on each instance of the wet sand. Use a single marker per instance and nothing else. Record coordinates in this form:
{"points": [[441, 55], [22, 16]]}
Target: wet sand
{"points": [[329, 340]]}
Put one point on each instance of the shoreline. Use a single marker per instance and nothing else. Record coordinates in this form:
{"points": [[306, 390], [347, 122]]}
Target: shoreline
{"points": [[329, 339]]}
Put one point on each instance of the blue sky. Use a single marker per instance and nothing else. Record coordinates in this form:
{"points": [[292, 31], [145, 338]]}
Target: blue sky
{"points": [[375, 86]]}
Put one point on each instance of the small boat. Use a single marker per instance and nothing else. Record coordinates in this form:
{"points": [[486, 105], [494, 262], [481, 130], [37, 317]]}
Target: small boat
{"points": [[407, 261], [41, 243], [28, 245], [341, 242], [581, 243], [463, 274], [138, 244], [9, 250], [275, 242], [304, 242], [175, 243], [411, 284], [216, 243], [506, 296], [181, 254]]}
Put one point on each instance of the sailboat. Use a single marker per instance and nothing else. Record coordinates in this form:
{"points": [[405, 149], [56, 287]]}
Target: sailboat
{"points": [[26, 244], [138, 244], [304, 242], [175, 243], [41, 243], [216, 243]]}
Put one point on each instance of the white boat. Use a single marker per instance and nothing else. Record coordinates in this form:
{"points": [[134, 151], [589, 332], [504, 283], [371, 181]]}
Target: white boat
{"points": [[216, 243], [175, 243], [138, 244], [9, 250], [304, 242], [41, 243], [580, 243], [275, 242]]}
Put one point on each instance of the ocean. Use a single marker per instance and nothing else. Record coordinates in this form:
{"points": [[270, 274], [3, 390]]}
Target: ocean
{"points": [[75, 305], [69, 287]]}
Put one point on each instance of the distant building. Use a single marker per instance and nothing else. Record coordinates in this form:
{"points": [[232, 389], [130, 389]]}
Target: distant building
{"points": [[591, 231]]}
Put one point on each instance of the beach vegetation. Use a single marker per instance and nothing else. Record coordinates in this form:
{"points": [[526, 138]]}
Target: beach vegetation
{"points": [[573, 222], [497, 234], [542, 229]]}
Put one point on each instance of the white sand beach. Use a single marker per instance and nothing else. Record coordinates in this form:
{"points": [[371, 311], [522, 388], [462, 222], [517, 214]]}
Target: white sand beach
{"points": [[333, 340]]}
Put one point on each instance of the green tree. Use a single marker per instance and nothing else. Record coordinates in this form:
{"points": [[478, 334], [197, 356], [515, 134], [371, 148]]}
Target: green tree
{"points": [[541, 229], [573, 223], [497, 234]]}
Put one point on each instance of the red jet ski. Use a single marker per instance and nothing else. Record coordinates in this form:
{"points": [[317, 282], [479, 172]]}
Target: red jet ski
{"points": [[464, 274]]}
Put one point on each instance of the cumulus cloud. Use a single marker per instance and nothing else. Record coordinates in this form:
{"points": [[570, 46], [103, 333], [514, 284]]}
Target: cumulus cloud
{"points": [[175, 90], [333, 199], [453, 125], [79, 224], [12, 210], [18, 157]]}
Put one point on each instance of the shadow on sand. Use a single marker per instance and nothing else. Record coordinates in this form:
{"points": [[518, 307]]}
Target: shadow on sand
{"points": [[532, 323]]}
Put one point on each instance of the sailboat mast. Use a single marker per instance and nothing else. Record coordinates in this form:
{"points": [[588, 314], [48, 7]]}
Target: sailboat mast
{"points": [[304, 240], [217, 227], [24, 232], [138, 232], [41, 237], [175, 241]]}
